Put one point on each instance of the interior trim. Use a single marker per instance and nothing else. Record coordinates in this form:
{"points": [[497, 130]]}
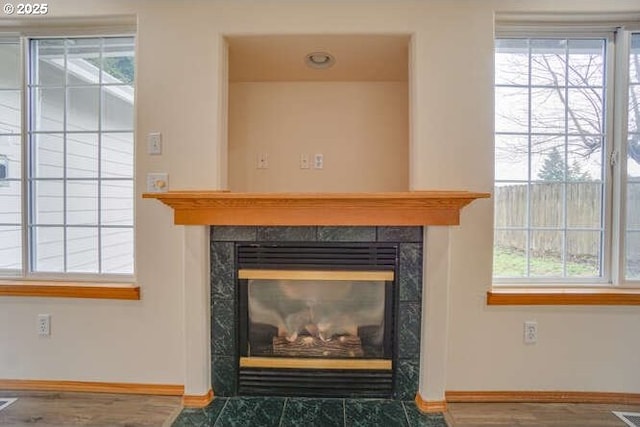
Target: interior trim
{"points": [[392, 208], [197, 401], [428, 406], [93, 387], [542, 397], [30, 288], [71, 26], [563, 296]]}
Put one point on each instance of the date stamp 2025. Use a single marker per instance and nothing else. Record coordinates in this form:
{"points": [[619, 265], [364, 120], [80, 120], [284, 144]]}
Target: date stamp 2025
{"points": [[30, 9]]}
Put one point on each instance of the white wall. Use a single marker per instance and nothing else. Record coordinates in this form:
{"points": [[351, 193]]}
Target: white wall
{"points": [[361, 128], [587, 348]]}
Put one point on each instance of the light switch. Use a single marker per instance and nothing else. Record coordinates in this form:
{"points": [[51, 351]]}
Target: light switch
{"points": [[154, 143], [304, 161], [262, 161]]}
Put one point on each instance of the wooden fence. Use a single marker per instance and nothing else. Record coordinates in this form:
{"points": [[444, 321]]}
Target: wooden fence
{"points": [[583, 207]]}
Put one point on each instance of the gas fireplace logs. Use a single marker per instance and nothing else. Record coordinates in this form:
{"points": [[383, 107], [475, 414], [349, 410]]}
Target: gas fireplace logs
{"points": [[312, 346]]}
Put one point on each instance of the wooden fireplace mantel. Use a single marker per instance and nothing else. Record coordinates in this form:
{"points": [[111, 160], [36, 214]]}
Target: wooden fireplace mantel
{"points": [[398, 208]]}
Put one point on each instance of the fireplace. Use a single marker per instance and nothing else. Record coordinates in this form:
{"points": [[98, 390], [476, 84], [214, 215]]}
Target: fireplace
{"points": [[238, 218], [317, 319], [387, 262]]}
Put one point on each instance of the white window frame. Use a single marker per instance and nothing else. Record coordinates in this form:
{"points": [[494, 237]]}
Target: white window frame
{"points": [[615, 125], [620, 196], [82, 30]]}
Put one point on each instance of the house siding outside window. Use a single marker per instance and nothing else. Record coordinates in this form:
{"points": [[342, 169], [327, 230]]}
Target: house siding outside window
{"points": [[68, 208]]}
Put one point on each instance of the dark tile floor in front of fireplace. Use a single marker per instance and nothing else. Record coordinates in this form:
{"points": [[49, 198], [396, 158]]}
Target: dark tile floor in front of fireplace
{"points": [[312, 412]]}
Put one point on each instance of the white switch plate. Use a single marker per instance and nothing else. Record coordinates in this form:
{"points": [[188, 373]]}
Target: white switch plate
{"points": [[157, 182], [262, 161], [304, 161], [318, 161], [154, 143]]}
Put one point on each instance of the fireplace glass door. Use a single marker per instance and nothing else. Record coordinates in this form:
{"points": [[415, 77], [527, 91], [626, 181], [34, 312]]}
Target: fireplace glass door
{"points": [[316, 315]]}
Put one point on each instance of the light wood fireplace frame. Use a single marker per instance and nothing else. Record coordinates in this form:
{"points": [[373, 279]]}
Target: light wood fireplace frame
{"points": [[395, 208]]}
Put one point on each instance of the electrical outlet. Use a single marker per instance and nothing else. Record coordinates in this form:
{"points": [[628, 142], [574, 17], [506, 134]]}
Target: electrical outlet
{"points": [[44, 325], [157, 182], [530, 332], [318, 161]]}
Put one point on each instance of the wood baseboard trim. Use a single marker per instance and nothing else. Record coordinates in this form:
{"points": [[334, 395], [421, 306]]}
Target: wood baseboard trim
{"points": [[93, 387], [542, 397], [429, 406], [197, 401]]}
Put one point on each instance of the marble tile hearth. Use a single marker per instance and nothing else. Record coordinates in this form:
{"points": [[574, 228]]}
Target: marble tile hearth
{"points": [[224, 294], [294, 412]]}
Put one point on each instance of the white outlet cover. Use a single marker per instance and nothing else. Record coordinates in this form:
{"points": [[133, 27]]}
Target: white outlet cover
{"points": [[318, 161], [530, 332], [44, 325], [157, 182]]}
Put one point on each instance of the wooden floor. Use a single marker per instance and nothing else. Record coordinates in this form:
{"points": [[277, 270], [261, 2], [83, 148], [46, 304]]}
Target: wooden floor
{"points": [[49, 409], [52, 409], [535, 414]]}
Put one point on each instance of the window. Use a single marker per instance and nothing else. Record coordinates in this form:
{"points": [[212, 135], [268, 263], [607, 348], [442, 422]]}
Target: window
{"points": [[66, 120], [557, 151], [632, 255], [10, 143]]}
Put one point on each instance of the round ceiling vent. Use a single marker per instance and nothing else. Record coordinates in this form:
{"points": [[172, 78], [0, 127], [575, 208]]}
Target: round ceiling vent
{"points": [[319, 60]]}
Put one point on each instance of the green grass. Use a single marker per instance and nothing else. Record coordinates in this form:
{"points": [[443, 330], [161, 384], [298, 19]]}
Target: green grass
{"points": [[513, 263]]}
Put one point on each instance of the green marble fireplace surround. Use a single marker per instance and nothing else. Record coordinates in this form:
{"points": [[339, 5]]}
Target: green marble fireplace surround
{"points": [[224, 297]]}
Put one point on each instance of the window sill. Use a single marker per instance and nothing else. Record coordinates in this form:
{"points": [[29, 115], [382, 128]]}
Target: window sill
{"points": [[563, 296], [27, 288]]}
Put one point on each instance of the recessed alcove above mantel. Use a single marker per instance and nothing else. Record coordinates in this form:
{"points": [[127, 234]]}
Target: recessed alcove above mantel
{"points": [[393, 208], [283, 114]]}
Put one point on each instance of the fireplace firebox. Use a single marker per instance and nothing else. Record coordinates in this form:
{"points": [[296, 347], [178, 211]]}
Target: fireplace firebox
{"points": [[235, 248], [317, 319]]}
